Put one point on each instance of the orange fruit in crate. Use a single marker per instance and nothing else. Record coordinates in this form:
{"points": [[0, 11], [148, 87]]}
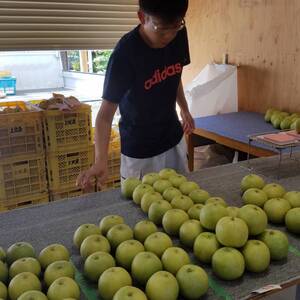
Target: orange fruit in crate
{"points": [[113, 134], [93, 133]]}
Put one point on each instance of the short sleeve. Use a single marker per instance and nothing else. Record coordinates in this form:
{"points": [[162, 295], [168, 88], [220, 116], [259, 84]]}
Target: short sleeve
{"points": [[185, 47], [119, 75]]}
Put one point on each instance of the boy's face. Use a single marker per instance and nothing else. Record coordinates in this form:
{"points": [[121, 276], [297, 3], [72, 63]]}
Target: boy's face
{"points": [[159, 32]]}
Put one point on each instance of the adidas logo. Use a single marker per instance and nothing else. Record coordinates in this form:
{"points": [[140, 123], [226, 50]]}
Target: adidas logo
{"points": [[160, 76]]}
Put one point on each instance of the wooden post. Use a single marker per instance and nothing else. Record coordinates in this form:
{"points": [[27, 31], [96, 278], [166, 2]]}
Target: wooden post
{"points": [[83, 61], [190, 148]]}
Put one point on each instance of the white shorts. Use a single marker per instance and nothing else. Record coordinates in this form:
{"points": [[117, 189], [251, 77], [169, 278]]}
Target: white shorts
{"points": [[175, 158]]}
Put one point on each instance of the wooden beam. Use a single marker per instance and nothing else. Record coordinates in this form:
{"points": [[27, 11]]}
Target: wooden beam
{"points": [[84, 61], [231, 143], [222, 140], [190, 149]]}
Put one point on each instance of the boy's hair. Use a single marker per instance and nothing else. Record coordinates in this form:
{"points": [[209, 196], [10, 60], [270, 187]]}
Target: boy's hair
{"points": [[168, 11]]}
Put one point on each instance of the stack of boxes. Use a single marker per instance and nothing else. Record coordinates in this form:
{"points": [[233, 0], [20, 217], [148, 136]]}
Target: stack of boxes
{"points": [[69, 149], [22, 158], [42, 152], [7, 84]]}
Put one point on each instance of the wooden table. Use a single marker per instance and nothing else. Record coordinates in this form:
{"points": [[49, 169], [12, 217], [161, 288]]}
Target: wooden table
{"points": [[230, 130]]}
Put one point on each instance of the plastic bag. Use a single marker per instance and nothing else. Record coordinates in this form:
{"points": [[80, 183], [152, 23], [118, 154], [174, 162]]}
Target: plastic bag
{"points": [[213, 91]]}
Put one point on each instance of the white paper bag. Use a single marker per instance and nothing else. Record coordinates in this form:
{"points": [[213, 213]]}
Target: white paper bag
{"points": [[213, 91]]}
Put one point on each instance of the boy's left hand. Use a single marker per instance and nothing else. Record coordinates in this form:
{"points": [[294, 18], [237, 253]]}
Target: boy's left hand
{"points": [[188, 122]]}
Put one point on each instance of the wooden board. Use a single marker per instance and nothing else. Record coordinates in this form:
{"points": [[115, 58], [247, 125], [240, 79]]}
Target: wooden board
{"points": [[262, 36], [222, 140]]}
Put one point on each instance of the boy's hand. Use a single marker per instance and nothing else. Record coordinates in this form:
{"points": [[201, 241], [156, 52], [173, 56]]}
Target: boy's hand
{"points": [[85, 178], [188, 122]]}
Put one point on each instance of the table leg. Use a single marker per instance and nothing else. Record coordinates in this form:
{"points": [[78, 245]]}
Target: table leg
{"points": [[248, 155], [190, 148]]}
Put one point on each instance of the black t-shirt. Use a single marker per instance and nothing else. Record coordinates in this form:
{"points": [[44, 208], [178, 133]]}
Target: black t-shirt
{"points": [[144, 82]]}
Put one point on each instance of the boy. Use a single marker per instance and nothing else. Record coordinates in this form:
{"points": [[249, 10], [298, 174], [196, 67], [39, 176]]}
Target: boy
{"points": [[144, 79]]}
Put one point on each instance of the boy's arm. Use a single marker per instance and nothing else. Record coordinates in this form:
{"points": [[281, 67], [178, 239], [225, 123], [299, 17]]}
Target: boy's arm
{"points": [[103, 130], [187, 120], [102, 136]]}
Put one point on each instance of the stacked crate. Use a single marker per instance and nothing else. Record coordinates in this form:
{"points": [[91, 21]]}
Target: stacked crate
{"points": [[22, 158], [69, 149]]}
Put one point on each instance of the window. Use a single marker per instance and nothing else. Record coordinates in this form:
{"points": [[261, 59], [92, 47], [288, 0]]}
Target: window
{"points": [[100, 60], [38, 74], [73, 60], [61, 28], [89, 61]]}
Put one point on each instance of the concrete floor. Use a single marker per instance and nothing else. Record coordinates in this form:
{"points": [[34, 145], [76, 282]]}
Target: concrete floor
{"points": [[210, 156]]}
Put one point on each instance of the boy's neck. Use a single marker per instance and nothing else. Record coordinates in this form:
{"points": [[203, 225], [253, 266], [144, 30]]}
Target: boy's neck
{"points": [[144, 36]]}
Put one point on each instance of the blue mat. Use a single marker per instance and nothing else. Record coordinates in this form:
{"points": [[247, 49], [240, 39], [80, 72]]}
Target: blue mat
{"points": [[238, 126]]}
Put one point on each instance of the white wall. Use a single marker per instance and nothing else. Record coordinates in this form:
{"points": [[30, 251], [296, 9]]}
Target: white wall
{"points": [[34, 69], [85, 83]]}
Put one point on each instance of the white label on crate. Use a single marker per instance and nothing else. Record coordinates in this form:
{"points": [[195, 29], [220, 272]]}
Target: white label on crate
{"points": [[9, 90], [267, 288]]}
